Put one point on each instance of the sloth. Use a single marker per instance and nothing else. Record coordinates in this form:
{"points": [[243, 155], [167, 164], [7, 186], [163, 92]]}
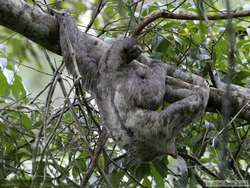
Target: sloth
{"points": [[130, 94], [130, 91]]}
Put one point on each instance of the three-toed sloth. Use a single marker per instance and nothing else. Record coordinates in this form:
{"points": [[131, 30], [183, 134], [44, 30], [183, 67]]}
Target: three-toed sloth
{"points": [[130, 91]]}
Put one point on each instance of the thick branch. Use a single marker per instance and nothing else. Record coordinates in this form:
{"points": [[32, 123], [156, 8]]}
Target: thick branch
{"points": [[30, 22], [43, 29], [240, 96], [240, 102], [40, 27], [170, 15]]}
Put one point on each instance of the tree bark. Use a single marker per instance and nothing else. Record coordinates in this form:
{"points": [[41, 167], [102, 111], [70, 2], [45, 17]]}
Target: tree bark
{"points": [[42, 28]]}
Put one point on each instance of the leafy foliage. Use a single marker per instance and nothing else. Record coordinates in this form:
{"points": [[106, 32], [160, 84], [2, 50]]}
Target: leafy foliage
{"points": [[46, 143]]}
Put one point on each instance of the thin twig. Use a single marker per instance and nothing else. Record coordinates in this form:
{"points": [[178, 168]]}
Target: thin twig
{"points": [[199, 164], [126, 172], [98, 9], [170, 15], [100, 143]]}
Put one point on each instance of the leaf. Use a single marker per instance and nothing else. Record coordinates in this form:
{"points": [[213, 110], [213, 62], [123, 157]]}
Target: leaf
{"points": [[78, 167], [149, 8], [197, 139], [146, 182], [81, 163], [101, 162], [141, 171], [24, 153], [5, 88], [116, 178], [17, 88], [157, 177], [241, 75], [122, 8], [157, 40], [192, 180], [26, 121], [181, 165], [79, 7], [161, 167]]}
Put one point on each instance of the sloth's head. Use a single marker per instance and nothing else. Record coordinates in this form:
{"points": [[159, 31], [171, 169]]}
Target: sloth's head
{"points": [[122, 52]]}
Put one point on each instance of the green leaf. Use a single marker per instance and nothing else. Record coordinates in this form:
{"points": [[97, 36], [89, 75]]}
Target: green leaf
{"points": [[26, 121], [161, 167], [17, 88], [192, 180], [121, 7], [157, 177], [24, 153], [5, 88], [146, 182], [79, 166], [241, 75], [79, 7], [149, 9], [141, 171], [116, 178]]}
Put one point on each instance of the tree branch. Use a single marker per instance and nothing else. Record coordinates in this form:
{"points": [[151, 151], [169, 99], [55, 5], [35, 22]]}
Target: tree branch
{"points": [[43, 29], [30, 22], [170, 15], [240, 96], [40, 27]]}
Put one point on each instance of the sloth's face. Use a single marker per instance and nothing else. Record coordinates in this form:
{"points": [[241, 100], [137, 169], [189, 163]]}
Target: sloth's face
{"points": [[132, 53]]}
